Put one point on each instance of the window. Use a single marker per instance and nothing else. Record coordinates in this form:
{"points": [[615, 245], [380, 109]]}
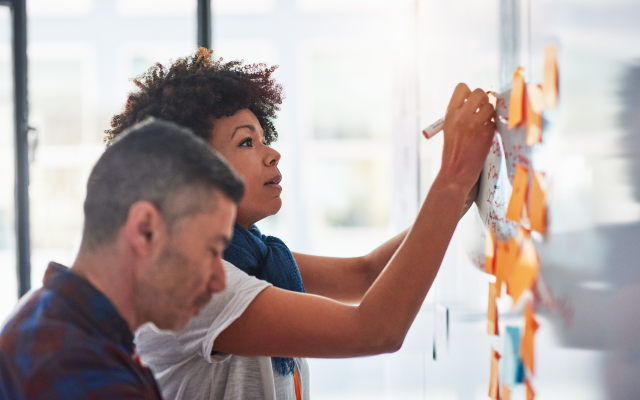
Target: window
{"points": [[8, 278]]}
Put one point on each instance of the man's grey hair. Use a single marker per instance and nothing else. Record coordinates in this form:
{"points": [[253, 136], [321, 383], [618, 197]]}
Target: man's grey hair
{"points": [[159, 162]]}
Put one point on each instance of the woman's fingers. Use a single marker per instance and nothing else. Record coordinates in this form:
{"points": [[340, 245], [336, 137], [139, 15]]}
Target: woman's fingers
{"points": [[485, 112], [477, 99], [460, 95]]}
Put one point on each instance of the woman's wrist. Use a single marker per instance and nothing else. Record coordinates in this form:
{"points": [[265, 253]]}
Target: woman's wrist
{"points": [[450, 185]]}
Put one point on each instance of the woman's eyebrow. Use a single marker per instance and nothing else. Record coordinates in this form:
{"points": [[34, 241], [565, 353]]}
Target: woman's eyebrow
{"points": [[250, 127]]}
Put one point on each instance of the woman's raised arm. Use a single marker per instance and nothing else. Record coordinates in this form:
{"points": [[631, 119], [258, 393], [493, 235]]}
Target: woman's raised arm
{"points": [[289, 324]]}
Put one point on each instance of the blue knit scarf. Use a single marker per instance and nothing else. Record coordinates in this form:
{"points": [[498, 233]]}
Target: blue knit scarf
{"points": [[269, 259]]}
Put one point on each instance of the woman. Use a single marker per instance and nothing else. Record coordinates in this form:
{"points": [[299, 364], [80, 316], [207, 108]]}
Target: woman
{"points": [[232, 106]]}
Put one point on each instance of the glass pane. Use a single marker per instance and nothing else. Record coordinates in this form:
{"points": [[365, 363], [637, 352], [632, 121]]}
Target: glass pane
{"points": [[75, 87], [8, 279], [59, 8], [359, 194], [352, 95]]}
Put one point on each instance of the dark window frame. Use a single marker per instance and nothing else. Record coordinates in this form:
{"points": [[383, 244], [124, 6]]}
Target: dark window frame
{"points": [[21, 126]]}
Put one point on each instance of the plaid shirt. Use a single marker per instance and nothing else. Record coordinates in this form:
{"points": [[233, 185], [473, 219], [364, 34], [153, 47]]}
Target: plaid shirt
{"points": [[67, 341]]}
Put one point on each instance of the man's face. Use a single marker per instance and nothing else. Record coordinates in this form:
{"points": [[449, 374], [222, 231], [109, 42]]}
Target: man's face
{"points": [[188, 269]]}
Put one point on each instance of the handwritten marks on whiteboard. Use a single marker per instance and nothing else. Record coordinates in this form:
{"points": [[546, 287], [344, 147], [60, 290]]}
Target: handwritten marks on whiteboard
{"points": [[513, 140], [494, 192]]}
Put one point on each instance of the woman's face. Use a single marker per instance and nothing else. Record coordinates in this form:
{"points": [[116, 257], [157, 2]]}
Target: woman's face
{"points": [[240, 140]]}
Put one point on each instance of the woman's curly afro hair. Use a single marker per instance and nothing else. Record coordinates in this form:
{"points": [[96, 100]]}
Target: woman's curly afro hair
{"points": [[195, 90]]}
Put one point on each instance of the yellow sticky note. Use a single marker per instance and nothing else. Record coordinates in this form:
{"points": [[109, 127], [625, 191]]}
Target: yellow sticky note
{"points": [[490, 252], [550, 78], [505, 260], [506, 393], [516, 99], [535, 104], [518, 194], [530, 393], [525, 272], [494, 382], [527, 344], [538, 203], [492, 311]]}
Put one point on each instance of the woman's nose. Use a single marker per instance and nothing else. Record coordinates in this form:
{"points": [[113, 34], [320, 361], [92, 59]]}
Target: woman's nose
{"points": [[273, 157]]}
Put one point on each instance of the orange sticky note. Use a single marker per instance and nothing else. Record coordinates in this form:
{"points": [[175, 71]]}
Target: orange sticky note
{"points": [[550, 79], [526, 346], [525, 270], [516, 99], [518, 194], [535, 104], [506, 393], [505, 260], [490, 252], [494, 382], [530, 393], [492, 311], [538, 203]]}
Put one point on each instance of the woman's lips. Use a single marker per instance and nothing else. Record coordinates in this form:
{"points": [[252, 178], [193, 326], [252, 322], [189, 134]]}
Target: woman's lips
{"points": [[273, 185], [275, 182]]}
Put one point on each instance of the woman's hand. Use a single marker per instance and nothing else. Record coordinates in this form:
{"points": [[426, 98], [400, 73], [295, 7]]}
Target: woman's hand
{"points": [[468, 134]]}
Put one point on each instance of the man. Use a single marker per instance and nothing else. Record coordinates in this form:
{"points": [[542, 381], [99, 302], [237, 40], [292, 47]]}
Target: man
{"points": [[159, 212]]}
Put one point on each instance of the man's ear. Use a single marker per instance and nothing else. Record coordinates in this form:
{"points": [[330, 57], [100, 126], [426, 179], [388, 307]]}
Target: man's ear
{"points": [[144, 228]]}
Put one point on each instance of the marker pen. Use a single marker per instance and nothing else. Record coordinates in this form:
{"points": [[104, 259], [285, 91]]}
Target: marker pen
{"points": [[437, 126]]}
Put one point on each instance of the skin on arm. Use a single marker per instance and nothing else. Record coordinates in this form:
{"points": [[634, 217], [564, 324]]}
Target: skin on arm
{"points": [[345, 279], [289, 324]]}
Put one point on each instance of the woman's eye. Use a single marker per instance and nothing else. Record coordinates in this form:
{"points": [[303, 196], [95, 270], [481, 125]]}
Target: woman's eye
{"points": [[248, 142]]}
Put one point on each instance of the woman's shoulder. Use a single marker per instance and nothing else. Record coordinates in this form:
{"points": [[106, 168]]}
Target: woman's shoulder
{"points": [[238, 280]]}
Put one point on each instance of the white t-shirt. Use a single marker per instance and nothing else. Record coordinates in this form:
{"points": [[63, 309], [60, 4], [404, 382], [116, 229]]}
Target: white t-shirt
{"points": [[185, 368]]}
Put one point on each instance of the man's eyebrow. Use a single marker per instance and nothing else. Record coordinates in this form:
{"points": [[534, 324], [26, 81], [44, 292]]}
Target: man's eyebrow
{"points": [[224, 239], [250, 127]]}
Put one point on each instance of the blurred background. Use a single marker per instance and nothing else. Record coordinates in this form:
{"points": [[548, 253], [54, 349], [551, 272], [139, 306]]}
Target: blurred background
{"points": [[361, 79]]}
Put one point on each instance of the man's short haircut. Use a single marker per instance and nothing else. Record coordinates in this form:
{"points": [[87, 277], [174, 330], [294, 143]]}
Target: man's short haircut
{"points": [[159, 162]]}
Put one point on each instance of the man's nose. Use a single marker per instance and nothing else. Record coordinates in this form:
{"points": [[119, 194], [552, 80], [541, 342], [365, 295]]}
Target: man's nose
{"points": [[218, 281]]}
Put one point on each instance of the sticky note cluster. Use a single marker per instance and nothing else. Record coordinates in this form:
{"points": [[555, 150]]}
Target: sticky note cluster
{"points": [[514, 262]]}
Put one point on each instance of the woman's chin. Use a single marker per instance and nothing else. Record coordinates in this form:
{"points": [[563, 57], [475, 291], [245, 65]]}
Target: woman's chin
{"points": [[272, 209]]}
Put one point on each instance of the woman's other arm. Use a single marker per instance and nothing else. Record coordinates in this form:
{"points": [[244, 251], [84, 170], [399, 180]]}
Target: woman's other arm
{"points": [[345, 279], [283, 323]]}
